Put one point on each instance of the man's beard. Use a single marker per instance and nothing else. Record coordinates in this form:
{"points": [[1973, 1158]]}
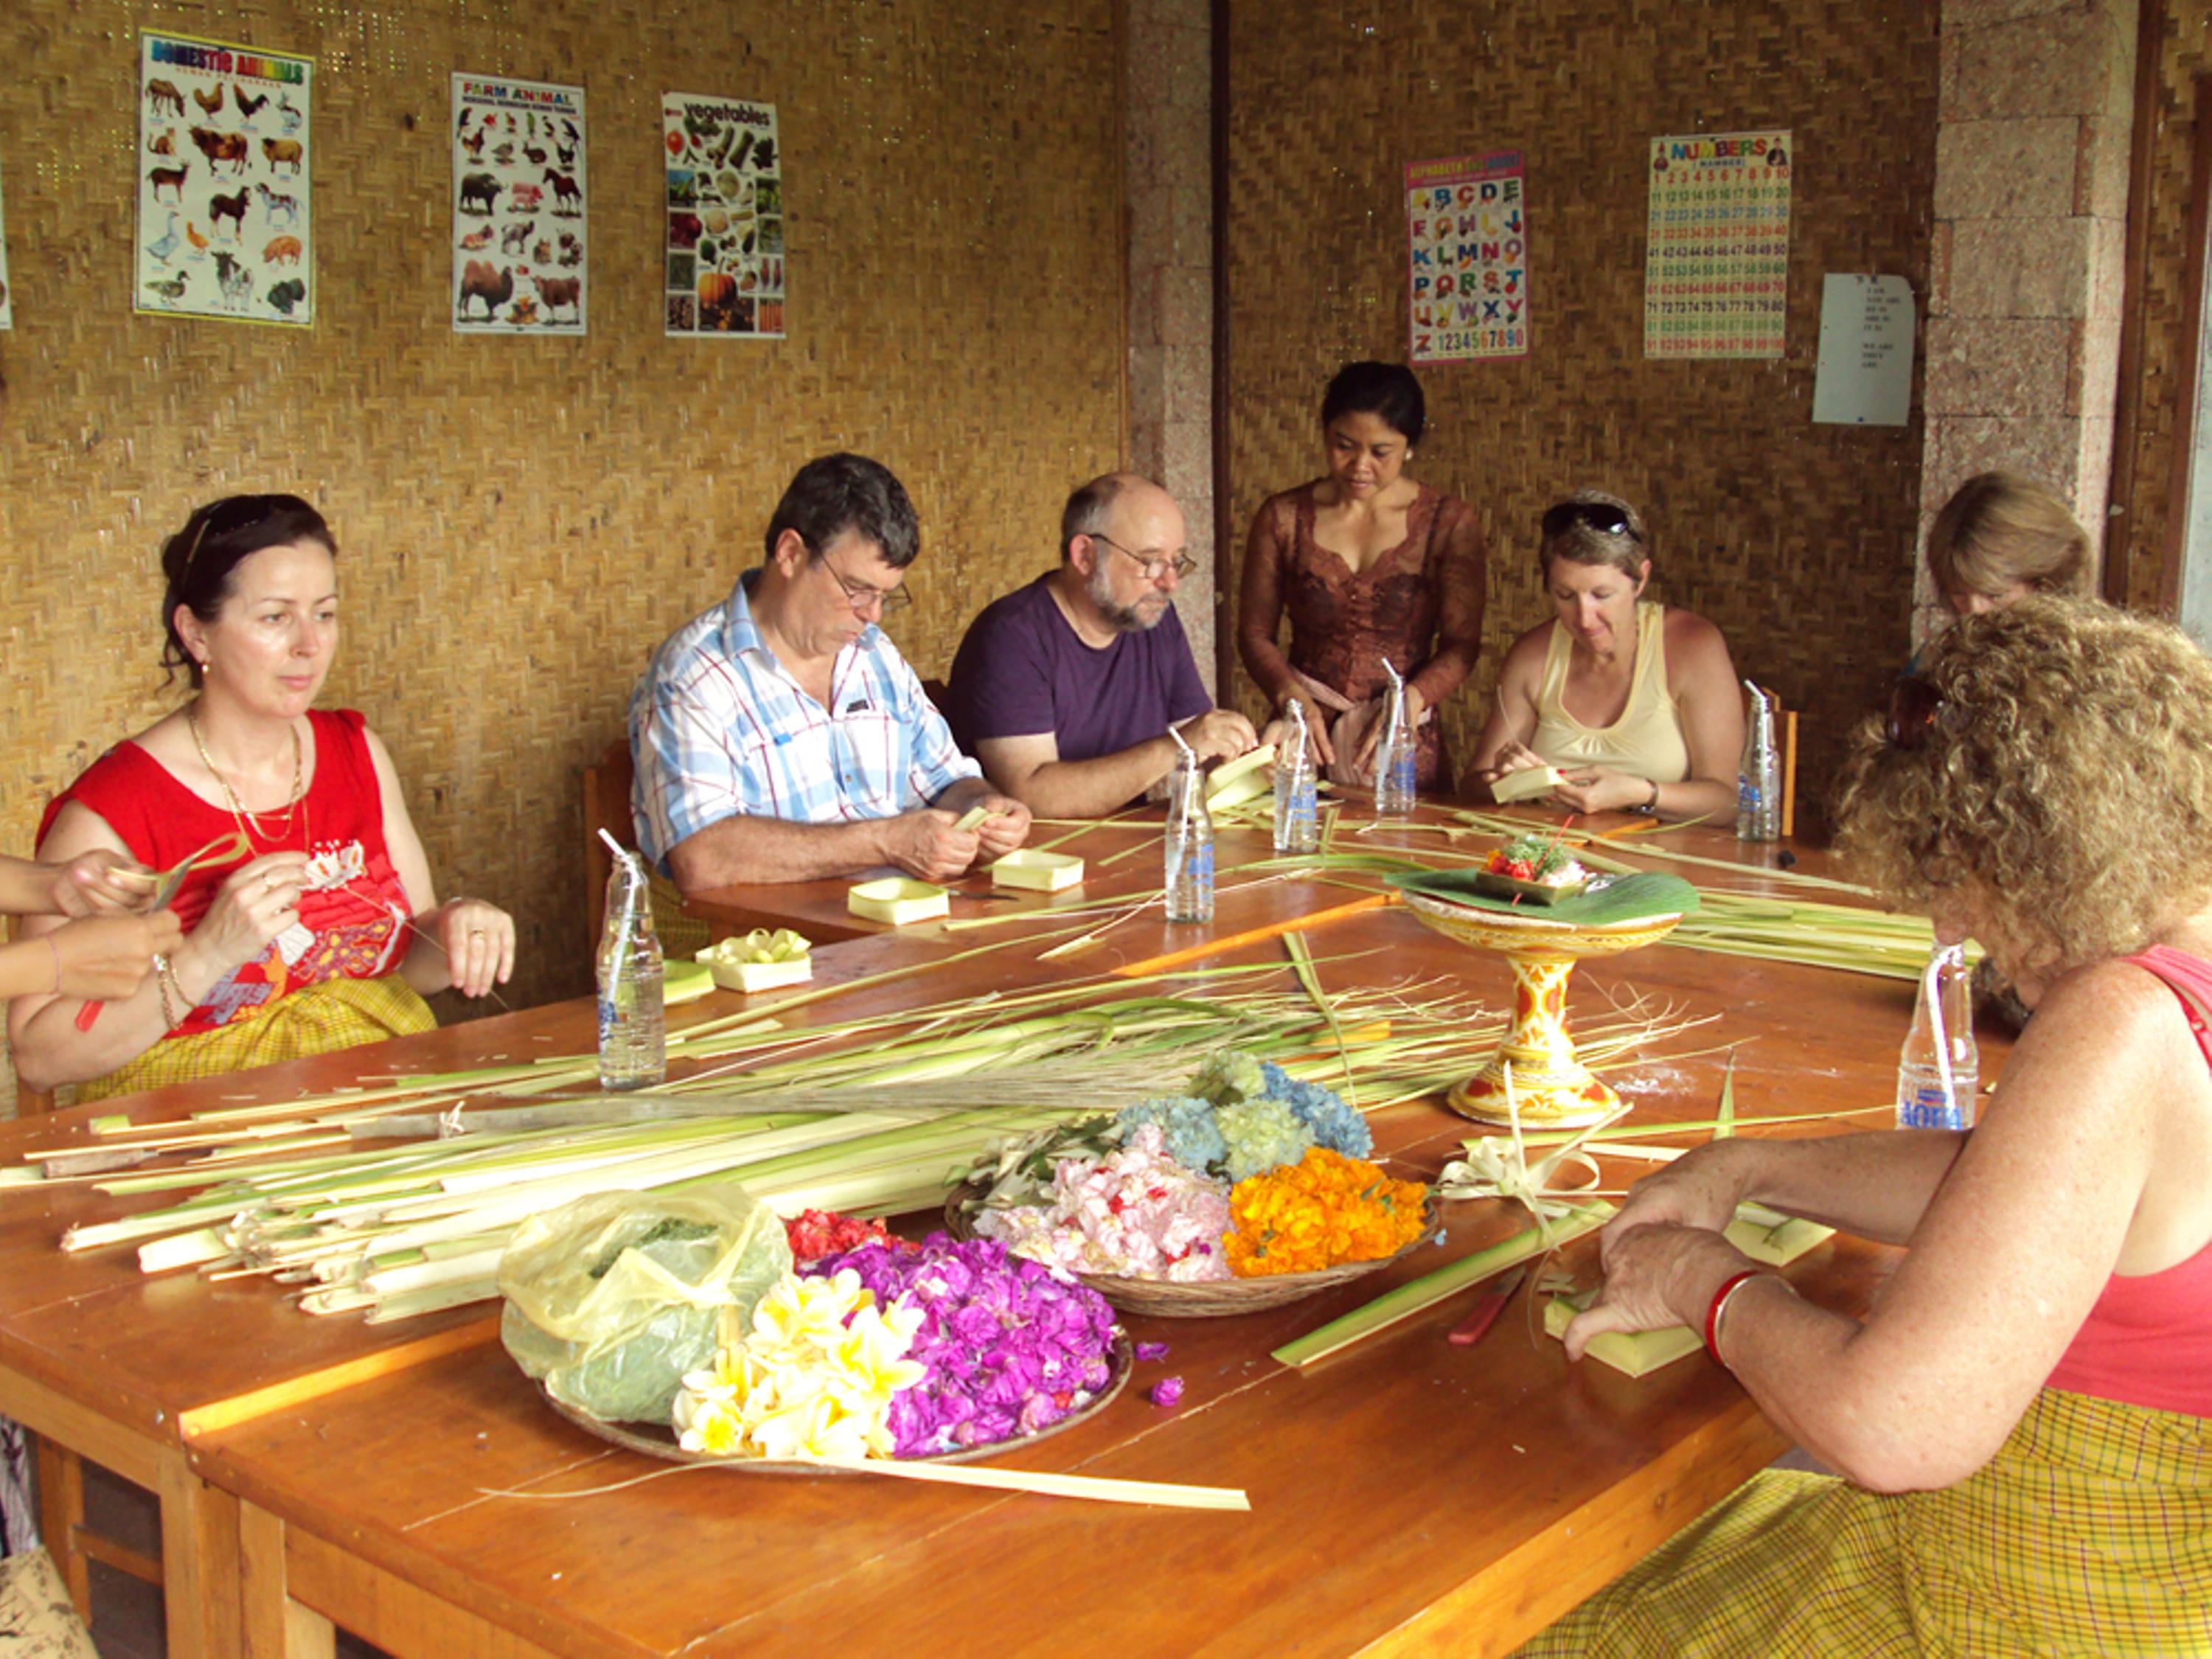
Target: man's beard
{"points": [[1128, 618]]}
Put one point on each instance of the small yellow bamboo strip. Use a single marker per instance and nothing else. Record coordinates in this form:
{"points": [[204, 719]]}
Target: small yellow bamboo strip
{"points": [[1098, 1489]]}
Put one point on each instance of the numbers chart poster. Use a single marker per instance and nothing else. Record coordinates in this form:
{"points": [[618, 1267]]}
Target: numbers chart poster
{"points": [[520, 194], [1716, 269], [725, 249], [224, 160], [1467, 257]]}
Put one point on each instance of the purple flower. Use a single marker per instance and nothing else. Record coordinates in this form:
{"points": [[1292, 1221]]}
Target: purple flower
{"points": [[1168, 1391], [1148, 1352]]}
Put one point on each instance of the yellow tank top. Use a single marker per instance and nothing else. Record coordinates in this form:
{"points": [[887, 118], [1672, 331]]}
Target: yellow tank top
{"points": [[1646, 741]]}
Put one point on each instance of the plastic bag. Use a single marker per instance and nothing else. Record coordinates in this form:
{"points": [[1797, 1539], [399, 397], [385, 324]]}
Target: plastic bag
{"points": [[612, 1298]]}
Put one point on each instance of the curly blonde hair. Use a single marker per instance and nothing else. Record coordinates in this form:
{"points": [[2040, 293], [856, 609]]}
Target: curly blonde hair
{"points": [[2063, 785], [1999, 528]]}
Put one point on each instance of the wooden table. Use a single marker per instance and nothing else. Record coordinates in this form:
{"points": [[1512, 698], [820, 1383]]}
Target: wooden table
{"points": [[1405, 1494]]}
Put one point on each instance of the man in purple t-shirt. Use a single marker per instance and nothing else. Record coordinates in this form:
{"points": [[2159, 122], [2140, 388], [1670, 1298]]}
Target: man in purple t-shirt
{"points": [[1065, 689]]}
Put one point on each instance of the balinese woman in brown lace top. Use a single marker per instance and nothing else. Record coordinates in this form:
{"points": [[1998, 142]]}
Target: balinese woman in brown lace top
{"points": [[1370, 565]]}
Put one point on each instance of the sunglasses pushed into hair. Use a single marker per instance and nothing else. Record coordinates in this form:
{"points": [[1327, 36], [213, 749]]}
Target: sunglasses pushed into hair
{"points": [[1603, 517]]}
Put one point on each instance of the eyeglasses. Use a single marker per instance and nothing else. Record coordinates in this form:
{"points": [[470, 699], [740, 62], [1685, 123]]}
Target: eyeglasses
{"points": [[1183, 564], [1915, 704], [1603, 517], [860, 596]]}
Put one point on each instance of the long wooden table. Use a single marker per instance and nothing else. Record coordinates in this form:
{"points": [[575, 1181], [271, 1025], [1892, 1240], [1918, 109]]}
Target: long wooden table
{"points": [[1406, 1495]]}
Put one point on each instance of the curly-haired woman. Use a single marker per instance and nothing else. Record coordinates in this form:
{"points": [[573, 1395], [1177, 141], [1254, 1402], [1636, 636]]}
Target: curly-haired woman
{"points": [[2023, 1422]]}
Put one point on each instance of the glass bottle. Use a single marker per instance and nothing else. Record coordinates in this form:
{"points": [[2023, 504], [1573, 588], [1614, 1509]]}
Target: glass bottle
{"points": [[633, 1034], [1297, 805], [1394, 757], [1939, 1068], [1189, 845], [1759, 774]]}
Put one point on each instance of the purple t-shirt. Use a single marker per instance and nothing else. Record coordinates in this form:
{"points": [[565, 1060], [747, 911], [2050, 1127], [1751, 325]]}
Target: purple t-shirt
{"points": [[1022, 670]]}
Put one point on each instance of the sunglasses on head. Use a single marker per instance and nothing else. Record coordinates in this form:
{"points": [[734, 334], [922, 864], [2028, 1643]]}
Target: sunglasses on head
{"points": [[1915, 705], [1602, 517]]}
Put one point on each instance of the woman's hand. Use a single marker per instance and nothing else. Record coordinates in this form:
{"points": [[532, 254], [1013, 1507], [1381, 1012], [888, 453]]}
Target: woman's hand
{"points": [[101, 882], [1657, 1275], [1514, 756], [1600, 789], [1378, 719], [1321, 701], [478, 939], [1701, 1189], [107, 959], [258, 900]]}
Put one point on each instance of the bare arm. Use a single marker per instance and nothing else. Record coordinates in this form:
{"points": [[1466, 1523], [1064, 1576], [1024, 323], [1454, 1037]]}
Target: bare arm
{"points": [[762, 851], [1504, 746], [1982, 1307], [1030, 770]]}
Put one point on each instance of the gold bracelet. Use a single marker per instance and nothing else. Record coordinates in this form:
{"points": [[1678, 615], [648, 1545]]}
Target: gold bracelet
{"points": [[165, 982]]}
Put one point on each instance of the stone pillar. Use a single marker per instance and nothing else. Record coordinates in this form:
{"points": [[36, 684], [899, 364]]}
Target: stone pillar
{"points": [[1167, 101], [2034, 119]]}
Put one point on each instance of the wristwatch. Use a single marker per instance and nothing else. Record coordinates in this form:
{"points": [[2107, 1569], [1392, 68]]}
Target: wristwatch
{"points": [[1651, 805]]}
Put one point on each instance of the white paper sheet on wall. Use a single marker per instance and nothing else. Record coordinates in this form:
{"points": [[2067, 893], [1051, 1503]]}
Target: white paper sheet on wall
{"points": [[1865, 372]]}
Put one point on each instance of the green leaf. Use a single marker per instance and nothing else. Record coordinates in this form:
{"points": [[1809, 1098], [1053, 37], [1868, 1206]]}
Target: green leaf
{"points": [[1631, 898]]}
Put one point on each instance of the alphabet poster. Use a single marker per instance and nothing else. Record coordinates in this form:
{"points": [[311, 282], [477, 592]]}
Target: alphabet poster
{"points": [[224, 162], [1716, 265], [6, 309], [518, 207], [1468, 263], [724, 257]]}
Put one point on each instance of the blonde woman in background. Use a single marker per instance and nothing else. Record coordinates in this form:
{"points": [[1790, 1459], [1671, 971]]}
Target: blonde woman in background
{"points": [[2001, 538]]}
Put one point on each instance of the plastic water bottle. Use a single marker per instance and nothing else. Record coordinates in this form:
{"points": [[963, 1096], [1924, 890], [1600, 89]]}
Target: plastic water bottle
{"points": [[1297, 805], [1939, 1069], [1189, 845], [1394, 757], [1759, 774], [633, 1034]]}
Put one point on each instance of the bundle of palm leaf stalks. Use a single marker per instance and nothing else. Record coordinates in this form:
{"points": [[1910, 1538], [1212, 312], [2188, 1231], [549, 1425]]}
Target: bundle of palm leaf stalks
{"points": [[397, 1201]]}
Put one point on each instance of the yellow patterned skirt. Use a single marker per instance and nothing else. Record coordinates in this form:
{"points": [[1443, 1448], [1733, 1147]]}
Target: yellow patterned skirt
{"points": [[2090, 1533], [333, 1013]]}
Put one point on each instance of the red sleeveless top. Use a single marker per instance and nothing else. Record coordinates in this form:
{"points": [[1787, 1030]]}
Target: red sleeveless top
{"points": [[352, 922], [2148, 1340]]}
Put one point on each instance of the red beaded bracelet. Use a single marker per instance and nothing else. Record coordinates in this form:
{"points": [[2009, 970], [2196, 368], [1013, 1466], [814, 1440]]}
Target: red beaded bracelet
{"points": [[1728, 1288]]}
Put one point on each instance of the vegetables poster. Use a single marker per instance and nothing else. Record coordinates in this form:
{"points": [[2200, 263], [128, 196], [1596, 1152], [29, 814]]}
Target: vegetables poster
{"points": [[224, 226], [1717, 262], [7, 308], [724, 257], [519, 192], [1467, 257]]}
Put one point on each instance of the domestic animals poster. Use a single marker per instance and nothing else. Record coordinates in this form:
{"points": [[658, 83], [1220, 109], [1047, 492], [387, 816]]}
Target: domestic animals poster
{"points": [[1467, 257], [1717, 264], [723, 263], [520, 193], [7, 305], [225, 220]]}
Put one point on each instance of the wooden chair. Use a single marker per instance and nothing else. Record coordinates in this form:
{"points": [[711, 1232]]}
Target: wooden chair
{"points": [[606, 806]]}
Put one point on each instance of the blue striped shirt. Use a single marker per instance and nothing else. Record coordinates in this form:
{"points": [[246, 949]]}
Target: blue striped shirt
{"points": [[719, 729]]}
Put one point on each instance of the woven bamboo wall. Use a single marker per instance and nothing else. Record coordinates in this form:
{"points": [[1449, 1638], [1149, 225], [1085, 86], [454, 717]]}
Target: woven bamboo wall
{"points": [[1796, 540], [522, 519], [2182, 47]]}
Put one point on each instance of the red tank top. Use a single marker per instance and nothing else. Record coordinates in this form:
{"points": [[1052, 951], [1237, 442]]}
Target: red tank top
{"points": [[2148, 1340], [352, 917]]}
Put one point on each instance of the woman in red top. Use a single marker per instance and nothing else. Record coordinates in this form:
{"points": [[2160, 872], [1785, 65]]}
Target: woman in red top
{"points": [[2023, 1423], [317, 928], [1370, 565]]}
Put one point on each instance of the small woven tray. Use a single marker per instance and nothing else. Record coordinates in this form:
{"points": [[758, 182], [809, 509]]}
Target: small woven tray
{"points": [[1218, 1298], [661, 1443]]}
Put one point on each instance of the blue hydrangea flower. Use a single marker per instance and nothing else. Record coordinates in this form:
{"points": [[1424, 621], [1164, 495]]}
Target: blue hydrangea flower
{"points": [[1334, 1125], [1262, 1135], [1187, 1125]]}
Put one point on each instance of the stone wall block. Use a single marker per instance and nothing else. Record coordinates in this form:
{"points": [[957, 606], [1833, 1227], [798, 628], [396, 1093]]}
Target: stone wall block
{"points": [[1991, 169], [2100, 175], [2020, 267], [2108, 268], [2093, 367], [1961, 15], [2001, 367], [2045, 447], [2061, 64]]}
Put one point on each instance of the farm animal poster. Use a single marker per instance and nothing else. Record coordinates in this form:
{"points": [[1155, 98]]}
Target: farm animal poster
{"points": [[724, 257], [1717, 260], [1467, 257], [519, 195], [224, 160], [7, 306]]}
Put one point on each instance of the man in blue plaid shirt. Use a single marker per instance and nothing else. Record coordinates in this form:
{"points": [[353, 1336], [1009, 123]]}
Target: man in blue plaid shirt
{"points": [[781, 737]]}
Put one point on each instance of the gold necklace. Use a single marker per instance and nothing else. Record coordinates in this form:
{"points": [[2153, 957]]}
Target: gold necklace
{"points": [[250, 824]]}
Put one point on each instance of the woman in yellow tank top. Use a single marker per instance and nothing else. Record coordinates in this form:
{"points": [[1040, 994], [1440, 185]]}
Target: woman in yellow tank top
{"points": [[1635, 703]]}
